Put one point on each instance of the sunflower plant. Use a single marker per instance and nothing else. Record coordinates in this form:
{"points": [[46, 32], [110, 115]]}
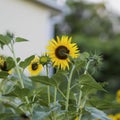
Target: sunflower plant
{"points": [[66, 94]]}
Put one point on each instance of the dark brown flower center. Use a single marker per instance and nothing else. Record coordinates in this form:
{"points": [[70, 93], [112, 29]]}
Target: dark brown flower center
{"points": [[34, 66], [4, 67], [61, 52]]}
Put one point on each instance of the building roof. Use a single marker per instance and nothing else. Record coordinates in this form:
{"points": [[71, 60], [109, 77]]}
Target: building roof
{"points": [[51, 4]]}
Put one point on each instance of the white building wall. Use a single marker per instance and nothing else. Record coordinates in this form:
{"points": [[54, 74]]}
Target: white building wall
{"points": [[28, 20]]}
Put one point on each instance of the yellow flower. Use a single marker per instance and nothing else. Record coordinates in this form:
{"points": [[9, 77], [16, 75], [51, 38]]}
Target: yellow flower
{"points": [[77, 118], [117, 116], [2, 60], [111, 116], [35, 67], [60, 49], [118, 96], [4, 65]]}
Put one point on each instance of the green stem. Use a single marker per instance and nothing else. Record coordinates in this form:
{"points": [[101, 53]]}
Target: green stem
{"points": [[61, 93], [12, 104], [68, 88], [55, 98], [79, 100], [87, 66], [17, 67], [81, 105], [55, 95], [81, 108], [48, 87]]}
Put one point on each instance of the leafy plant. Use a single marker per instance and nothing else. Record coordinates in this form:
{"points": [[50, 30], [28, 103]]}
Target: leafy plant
{"points": [[66, 94]]}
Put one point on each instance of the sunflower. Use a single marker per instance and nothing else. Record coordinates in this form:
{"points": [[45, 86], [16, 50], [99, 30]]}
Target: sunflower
{"points": [[111, 116], [35, 67], [3, 65], [117, 116], [2, 60], [118, 96], [59, 51], [77, 118]]}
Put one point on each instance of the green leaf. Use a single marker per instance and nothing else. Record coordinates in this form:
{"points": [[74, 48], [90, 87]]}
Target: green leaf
{"points": [[26, 62], [59, 77], [40, 115], [44, 80], [107, 103], [84, 56], [27, 81], [89, 83], [4, 40], [98, 114], [3, 74], [6, 116], [18, 59], [10, 63], [19, 92], [19, 39]]}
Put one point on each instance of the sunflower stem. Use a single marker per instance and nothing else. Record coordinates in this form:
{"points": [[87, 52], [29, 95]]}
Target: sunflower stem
{"points": [[68, 88], [18, 70], [17, 67], [48, 87], [87, 66], [61, 93], [55, 98], [81, 105], [55, 95], [79, 100]]}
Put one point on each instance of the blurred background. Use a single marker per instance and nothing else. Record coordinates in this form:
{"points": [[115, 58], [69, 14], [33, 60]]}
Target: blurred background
{"points": [[93, 24]]}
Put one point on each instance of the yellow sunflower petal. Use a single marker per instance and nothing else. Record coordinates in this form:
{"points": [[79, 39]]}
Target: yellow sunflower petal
{"points": [[35, 67], [59, 49]]}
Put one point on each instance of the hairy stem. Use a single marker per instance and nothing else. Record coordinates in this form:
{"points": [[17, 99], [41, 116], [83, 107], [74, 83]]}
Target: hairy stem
{"points": [[68, 88], [48, 87]]}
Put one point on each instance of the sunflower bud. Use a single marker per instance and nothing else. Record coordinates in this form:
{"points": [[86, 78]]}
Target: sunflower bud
{"points": [[44, 59]]}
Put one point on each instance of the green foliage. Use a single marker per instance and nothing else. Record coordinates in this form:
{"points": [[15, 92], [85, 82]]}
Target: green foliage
{"points": [[26, 62], [97, 113], [4, 40], [3, 74], [92, 29], [66, 94], [19, 39], [10, 63]]}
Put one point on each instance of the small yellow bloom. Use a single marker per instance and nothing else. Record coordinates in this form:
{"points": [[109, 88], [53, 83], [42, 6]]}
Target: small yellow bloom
{"points": [[35, 67], [2, 60], [77, 118], [118, 96], [59, 51], [3, 66], [117, 116], [111, 116]]}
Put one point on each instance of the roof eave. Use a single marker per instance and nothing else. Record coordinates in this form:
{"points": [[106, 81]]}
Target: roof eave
{"points": [[51, 4]]}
